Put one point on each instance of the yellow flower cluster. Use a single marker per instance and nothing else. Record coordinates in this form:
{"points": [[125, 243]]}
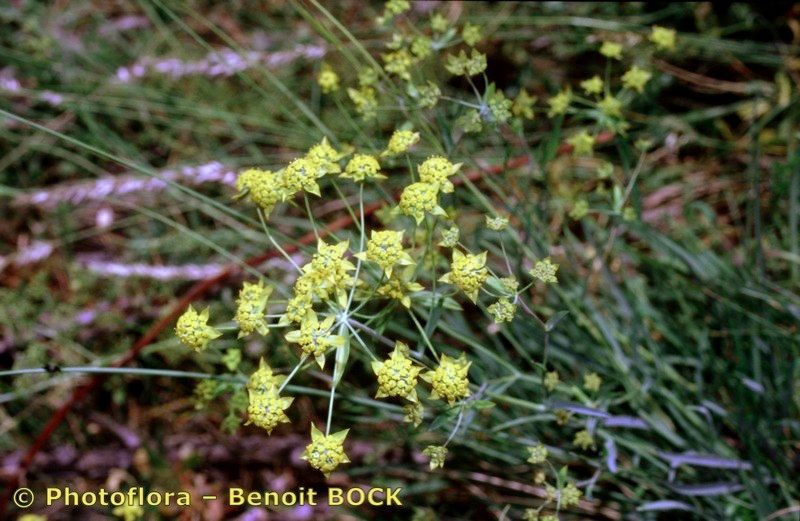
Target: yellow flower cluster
{"points": [[468, 272], [327, 79], [593, 85], [559, 103], [449, 380], [635, 78], [385, 248], [502, 311], [582, 143], [328, 273], [265, 409], [266, 189], [325, 453], [315, 337], [362, 167], [399, 288], [663, 37], [397, 375], [265, 405], [400, 141], [263, 378], [583, 439], [537, 454], [250, 308], [435, 171], [611, 50], [418, 199], [437, 454], [193, 330], [545, 270], [592, 382]]}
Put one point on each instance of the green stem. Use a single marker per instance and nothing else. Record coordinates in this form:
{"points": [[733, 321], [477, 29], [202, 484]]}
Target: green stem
{"points": [[133, 371], [274, 243], [291, 375]]}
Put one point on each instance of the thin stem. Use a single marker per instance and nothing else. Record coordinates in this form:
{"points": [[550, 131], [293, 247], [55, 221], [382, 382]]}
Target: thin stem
{"points": [[330, 411], [455, 429], [371, 332], [274, 243], [424, 335], [291, 375], [361, 341], [311, 216], [360, 248], [133, 371]]}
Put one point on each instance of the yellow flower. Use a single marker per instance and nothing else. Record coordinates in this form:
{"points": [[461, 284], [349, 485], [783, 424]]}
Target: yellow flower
{"points": [[325, 157], [523, 105], [361, 167], [438, 23], [583, 439], [593, 85], [367, 76], [437, 454], [471, 34], [502, 311], [302, 174], [611, 106], [435, 170], [327, 79], [245, 180], [636, 78], [468, 272], [400, 141], [398, 288], [569, 495], [128, 511], [579, 209], [412, 413], [582, 143], [250, 307], [418, 199], [429, 94], [559, 103], [663, 37], [509, 284], [497, 223], [395, 7], [449, 380], [325, 453], [263, 378], [450, 237], [328, 272], [397, 375], [193, 330], [315, 337], [265, 188], [592, 382], [545, 270], [421, 47], [399, 63], [611, 50], [266, 409], [537, 454], [366, 101], [385, 248], [463, 65], [551, 380]]}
